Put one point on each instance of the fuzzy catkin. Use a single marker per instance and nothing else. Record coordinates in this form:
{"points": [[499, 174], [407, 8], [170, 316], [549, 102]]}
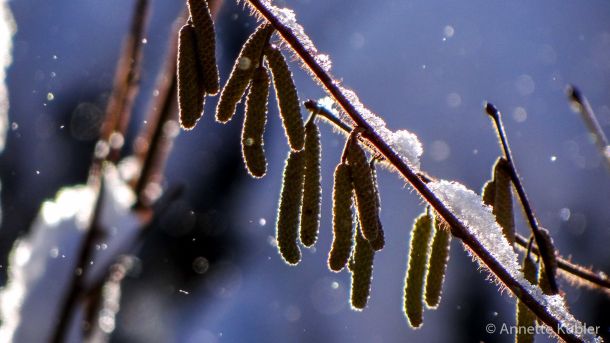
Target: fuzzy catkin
{"points": [[416, 270], [190, 85], [289, 213], [525, 317], [437, 263], [543, 280], [312, 189], [503, 200], [343, 231], [364, 187], [362, 272], [243, 69], [253, 151], [379, 242], [206, 44], [287, 98]]}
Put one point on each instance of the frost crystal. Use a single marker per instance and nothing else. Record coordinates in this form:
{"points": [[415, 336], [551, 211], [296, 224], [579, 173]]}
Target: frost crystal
{"points": [[468, 207], [42, 263], [7, 28]]}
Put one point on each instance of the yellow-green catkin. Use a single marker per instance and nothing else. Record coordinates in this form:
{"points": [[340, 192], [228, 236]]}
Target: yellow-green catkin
{"points": [[543, 280], [291, 200], [312, 189], [365, 190], [362, 272], [254, 124], [437, 263], [287, 98], [416, 270], [503, 200], [343, 222], [206, 43], [525, 317], [190, 85], [243, 69], [379, 242]]}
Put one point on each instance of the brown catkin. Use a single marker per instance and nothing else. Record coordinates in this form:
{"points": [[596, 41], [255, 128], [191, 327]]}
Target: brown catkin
{"points": [[437, 262], [343, 231], [254, 124], [489, 193], [525, 317], [190, 85], [287, 98], [312, 189], [503, 200], [365, 190], [543, 280], [243, 69], [362, 272], [206, 43], [379, 242], [290, 207], [416, 270]]}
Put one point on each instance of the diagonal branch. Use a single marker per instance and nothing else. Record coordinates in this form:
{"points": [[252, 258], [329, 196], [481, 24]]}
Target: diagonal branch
{"points": [[457, 227]]}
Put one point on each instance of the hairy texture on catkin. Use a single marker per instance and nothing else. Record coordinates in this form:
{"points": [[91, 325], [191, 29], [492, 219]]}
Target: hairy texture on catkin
{"points": [[437, 262], [543, 281], [206, 43], [489, 193], [254, 124], [365, 190], [243, 69], [342, 219], [289, 214], [416, 270], [525, 317], [503, 200], [362, 272], [312, 189], [287, 97], [379, 242], [190, 85]]}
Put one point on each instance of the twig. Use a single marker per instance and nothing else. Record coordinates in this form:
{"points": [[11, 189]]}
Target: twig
{"points": [[581, 105], [126, 82], [458, 228], [568, 267], [600, 280], [84, 257], [545, 250]]}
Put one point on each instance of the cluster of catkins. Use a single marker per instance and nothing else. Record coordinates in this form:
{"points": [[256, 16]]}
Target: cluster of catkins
{"points": [[357, 230]]}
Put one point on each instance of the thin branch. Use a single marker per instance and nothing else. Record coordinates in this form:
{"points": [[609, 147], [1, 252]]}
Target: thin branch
{"points": [[600, 280], [545, 250], [580, 104], [457, 227]]}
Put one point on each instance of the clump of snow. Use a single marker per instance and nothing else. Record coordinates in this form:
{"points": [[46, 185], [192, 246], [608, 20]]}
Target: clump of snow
{"points": [[478, 218], [288, 19], [7, 29], [43, 262]]}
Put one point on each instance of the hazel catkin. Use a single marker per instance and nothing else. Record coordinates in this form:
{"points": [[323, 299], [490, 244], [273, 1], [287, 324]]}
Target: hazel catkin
{"points": [[243, 69], [416, 270], [291, 200], [437, 262], [525, 317], [287, 98], [364, 188], [362, 272], [312, 189], [205, 43], [190, 84], [254, 124], [503, 199], [343, 222]]}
